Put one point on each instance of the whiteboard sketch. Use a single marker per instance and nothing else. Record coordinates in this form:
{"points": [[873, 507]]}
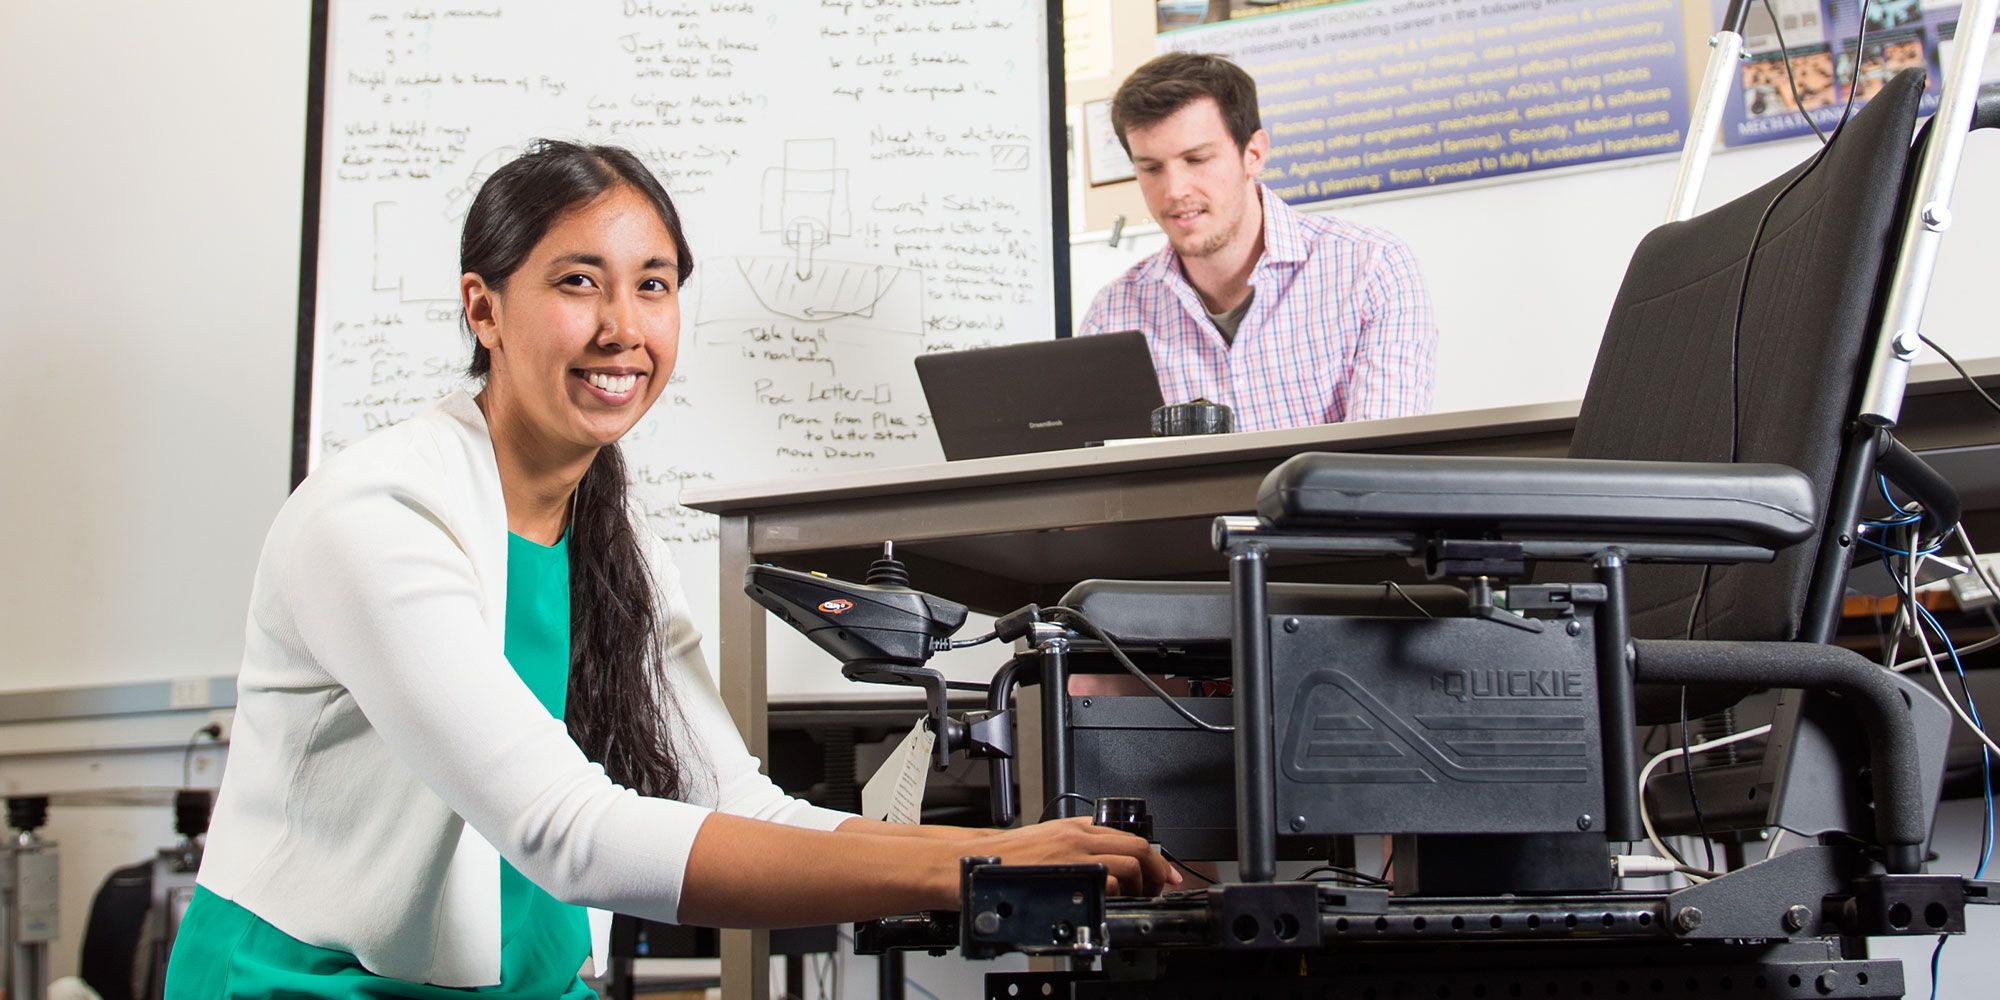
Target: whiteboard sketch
{"points": [[859, 187]]}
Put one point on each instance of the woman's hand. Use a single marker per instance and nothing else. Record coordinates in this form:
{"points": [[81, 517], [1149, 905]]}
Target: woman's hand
{"points": [[1132, 867], [744, 872]]}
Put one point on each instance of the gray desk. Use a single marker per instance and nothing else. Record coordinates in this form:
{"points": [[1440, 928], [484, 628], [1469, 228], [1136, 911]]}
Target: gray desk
{"points": [[998, 533]]}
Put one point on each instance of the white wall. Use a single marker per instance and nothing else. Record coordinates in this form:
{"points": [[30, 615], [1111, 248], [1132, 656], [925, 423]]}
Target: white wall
{"points": [[149, 201]]}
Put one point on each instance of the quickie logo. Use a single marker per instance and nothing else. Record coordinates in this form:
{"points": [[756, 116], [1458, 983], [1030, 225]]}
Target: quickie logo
{"points": [[1493, 683], [836, 606]]}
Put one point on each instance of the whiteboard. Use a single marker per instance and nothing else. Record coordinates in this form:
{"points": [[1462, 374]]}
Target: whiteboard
{"points": [[861, 183]]}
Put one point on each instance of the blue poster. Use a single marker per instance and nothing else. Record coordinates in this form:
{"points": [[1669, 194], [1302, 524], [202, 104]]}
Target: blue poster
{"points": [[1382, 95], [1768, 103]]}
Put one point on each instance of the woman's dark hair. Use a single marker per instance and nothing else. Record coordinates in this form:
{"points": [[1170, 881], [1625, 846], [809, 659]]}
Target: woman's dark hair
{"points": [[617, 640], [1168, 83]]}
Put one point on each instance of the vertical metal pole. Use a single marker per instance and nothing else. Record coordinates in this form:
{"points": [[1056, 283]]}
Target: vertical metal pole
{"points": [[1616, 715], [890, 976], [795, 975], [1896, 342], [1006, 806], [1056, 784], [1705, 125], [1250, 663], [1726, 47], [746, 955], [28, 869], [1827, 591]]}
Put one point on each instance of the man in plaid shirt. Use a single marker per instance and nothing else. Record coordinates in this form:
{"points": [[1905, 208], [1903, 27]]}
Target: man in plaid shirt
{"points": [[1289, 319]]}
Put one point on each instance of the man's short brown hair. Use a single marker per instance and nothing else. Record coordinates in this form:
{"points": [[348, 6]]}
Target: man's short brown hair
{"points": [[1168, 83]]}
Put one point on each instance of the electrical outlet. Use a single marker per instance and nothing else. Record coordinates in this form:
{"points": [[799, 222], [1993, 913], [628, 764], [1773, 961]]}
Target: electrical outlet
{"points": [[188, 692]]}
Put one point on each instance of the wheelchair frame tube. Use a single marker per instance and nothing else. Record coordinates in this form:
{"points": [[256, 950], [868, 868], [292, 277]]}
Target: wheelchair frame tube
{"points": [[1895, 778], [1005, 804], [1056, 773], [1896, 343], [1617, 716], [1705, 125], [1828, 588], [1250, 663]]}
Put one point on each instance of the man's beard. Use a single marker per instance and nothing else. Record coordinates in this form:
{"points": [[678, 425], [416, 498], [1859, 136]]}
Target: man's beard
{"points": [[1214, 242]]}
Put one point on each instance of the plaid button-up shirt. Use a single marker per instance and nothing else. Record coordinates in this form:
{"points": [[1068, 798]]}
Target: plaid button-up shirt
{"points": [[1339, 326]]}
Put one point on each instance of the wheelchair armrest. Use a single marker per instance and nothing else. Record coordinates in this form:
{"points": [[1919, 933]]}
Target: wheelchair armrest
{"points": [[1770, 506]]}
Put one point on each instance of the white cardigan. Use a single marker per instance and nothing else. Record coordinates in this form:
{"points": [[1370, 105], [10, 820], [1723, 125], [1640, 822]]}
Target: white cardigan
{"points": [[383, 748]]}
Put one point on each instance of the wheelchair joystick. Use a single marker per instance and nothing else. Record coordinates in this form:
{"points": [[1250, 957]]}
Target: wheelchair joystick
{"points": [[1124, 813], [888, 571], [884, 632]]}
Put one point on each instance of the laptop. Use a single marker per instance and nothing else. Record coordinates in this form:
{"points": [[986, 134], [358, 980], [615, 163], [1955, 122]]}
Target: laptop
{"points": [[1041, 396]]}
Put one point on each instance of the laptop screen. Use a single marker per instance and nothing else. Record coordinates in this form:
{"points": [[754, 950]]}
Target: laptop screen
{"points": [[1045, 395]]}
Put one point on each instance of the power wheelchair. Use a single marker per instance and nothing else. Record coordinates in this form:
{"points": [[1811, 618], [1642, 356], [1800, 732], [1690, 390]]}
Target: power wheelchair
{"points": [[1693, 548]]}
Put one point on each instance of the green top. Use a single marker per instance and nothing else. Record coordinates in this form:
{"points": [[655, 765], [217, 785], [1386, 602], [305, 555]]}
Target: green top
{"points": [[224, 950]]}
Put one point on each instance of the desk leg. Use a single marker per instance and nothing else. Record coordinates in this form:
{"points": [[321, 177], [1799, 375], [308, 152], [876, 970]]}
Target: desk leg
{"points": [[746, 955]]}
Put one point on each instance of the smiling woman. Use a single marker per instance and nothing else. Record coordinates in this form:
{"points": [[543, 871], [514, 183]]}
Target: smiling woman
{"points": [[471, 704]]}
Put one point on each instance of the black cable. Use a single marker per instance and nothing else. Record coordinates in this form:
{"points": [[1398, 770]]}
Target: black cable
{"points": [[1785, 53], [1388, 862], [1183, 866], [1743, 289], [1700, 597], [1051, 804], [1749, 262], [1077, 619], [1962, 373], [1935, 953], [214, 732], [1400, 592], [942, 645], [1358, 877], [1687, 768]]}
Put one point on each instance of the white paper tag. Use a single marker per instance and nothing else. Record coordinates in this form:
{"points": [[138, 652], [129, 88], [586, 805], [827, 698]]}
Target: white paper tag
{"points": [[896, 793]]}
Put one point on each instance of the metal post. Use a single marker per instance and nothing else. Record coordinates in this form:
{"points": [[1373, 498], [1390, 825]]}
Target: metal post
{"points": [[890, 977], [1616, 714], [1056, 783], [1705, 125], [1827, 592], [1896, 342], [28, 912], [1250, 663], [746, 954]]}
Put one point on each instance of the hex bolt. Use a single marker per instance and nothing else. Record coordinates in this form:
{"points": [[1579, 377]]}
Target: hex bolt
{"points": [[1291, 624], [1827, 982], [1906, 343], [1584, 821], [1797, 917], [987, 922], [1688, 919], [1298, 823]]}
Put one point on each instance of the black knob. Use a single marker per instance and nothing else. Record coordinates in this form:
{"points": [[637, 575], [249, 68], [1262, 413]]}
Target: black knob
{"points": [[1124, 813], [28, 813]]}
